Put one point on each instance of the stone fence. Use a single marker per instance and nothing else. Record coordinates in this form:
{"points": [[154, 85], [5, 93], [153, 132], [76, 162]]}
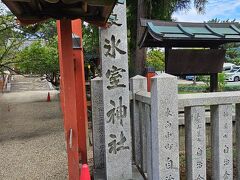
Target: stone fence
{"points": [[155, 130]]}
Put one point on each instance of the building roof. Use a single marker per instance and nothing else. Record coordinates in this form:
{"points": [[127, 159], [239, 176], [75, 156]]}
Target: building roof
{"points": [[183, 34], [33, 11]]}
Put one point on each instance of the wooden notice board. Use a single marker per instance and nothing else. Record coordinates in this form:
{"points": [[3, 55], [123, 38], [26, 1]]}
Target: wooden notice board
{"points": [[194, 61]]}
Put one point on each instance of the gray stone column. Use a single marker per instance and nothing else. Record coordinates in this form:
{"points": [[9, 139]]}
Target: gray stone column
{"points": [[143, 122], [195, 139], [222, 160], [165, 135], [237, 118], [137, 83], [114, 56], [98, 123], [149, 142]]}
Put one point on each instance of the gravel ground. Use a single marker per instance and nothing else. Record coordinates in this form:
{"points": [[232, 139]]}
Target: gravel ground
{"points": [[32, 144], [21, 83]]}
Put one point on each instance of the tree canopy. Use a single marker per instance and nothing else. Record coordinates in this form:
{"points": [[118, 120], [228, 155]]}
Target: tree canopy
{"points": [[155, 58], [232, 49], [151, 9], [28, 49], [10, 41], [40, 58], [12, 35]]}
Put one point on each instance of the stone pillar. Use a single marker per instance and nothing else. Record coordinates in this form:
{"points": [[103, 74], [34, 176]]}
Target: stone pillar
{"points": [[114, 56], [222, 165], [165, 136], [149, 142], [98, 123], [137, 83], [143, 137], [195, 142], [237, 116]]}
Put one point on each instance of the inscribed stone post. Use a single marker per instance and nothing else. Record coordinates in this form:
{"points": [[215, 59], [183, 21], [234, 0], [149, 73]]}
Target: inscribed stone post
{"points": [[98, 123], [195, 142], [164, 114], [221, 117], [237, 110], [137, 83], [114, 58]]}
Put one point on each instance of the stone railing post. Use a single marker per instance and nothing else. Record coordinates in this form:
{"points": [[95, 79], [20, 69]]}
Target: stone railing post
{"points": [[98, 123], [222, 159], [195, 140], [237, 118], [137, 83], [164, 124]]}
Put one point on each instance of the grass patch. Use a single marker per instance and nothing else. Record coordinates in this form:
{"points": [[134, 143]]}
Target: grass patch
{"points": [[190, 88]]}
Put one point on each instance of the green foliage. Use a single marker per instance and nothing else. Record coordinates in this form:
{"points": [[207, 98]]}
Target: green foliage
{"points": [[206, 80], [155, 58], [151, 9], [221, 81], [10, 40], [232, 88], [46, 30], [191, 88], [232, 49], [183, 89], [40, 59], [233, 55], [90, 38]]}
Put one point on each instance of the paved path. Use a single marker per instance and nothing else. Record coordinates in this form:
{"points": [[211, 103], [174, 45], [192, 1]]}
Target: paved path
{"points": [[21, 83], [32, 143]]}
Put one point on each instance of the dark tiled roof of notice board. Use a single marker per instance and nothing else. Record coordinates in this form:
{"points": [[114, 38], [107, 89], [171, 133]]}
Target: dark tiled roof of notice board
{"points": [[33, 11], [183, 34]]}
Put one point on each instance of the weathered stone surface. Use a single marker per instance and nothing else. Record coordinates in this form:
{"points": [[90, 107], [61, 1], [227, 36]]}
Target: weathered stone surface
{"points": [[143, 136], [195, 142], [100, 174], [98, 123], [164, 114], [149, 142], [137, 83], [238, 138], [114, 56], [205, 99], [221, 117]]}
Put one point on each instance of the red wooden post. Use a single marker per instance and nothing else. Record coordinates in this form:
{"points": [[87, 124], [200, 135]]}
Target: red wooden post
{"points": [[81, 93], [68, 89], [149, 75], [150, 72]]}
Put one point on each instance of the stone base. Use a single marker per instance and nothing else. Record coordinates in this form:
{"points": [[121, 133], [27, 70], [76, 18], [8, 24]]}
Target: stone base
{"points": [[99, 174]]}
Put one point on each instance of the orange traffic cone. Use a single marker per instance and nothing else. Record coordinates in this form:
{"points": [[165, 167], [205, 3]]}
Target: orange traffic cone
{"points": [[48, 97], [85, 175]]}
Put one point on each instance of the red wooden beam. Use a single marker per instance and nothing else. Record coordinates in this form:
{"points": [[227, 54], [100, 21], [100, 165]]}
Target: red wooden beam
{"points": [[68, 89], [149, 75], [81, 93]]}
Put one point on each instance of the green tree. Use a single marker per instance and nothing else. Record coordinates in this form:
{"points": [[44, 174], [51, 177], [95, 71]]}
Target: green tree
{"points": [[90, 38], [155, 58], [10, 41], [232, 49], [40, 59], [152, 9]]}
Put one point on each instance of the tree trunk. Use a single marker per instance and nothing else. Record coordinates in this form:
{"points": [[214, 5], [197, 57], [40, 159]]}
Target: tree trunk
{"points": [[139, 55]]}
